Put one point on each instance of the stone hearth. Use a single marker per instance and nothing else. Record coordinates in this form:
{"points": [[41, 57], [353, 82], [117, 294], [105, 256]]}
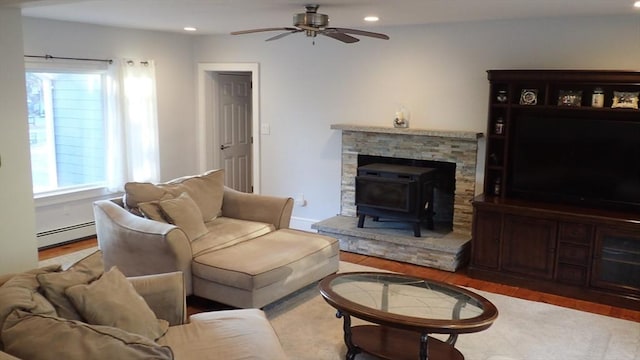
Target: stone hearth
{"points": [[445, 249], [395, 241]]}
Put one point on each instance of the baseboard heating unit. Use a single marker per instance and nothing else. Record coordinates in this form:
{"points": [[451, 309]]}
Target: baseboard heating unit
{"points": [[65, 234]]}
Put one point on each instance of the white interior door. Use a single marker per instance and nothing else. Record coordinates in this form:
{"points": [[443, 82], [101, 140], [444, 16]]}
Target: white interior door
{"points": [[235, 130]]}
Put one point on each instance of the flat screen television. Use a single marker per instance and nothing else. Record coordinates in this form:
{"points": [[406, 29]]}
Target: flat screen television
{"points": [[580, 161]]}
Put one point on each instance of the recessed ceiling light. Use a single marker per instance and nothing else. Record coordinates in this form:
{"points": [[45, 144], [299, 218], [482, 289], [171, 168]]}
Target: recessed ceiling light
{"points": [[189, 28], [637, 4], [371, 18]]}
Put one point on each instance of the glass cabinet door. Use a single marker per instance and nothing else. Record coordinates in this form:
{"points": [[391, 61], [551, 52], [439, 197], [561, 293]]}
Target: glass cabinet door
{"points": [[617, 260]]}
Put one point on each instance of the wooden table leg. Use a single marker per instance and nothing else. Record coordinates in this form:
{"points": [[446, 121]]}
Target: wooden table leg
{"points": [[352, 350], [424, 343]]}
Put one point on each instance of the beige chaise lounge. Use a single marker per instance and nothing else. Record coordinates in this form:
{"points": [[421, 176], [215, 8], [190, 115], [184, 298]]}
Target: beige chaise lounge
{"points": [[232, 247]]}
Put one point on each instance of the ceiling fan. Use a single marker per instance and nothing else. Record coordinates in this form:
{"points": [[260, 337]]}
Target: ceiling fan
{"points": [[312, 23]]}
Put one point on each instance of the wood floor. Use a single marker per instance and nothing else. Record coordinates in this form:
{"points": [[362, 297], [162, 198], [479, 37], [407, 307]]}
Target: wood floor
{"points": [[457, 278]]}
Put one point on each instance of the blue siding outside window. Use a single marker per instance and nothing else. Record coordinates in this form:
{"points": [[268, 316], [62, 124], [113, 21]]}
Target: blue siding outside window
{"points": [[67, 130]]}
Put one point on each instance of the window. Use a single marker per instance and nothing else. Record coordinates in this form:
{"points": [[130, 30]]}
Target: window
{"points": [[92, 125], [67, 122]]}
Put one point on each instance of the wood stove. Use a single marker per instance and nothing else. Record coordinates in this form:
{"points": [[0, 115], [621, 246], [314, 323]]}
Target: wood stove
{"points": [[396, 192]]}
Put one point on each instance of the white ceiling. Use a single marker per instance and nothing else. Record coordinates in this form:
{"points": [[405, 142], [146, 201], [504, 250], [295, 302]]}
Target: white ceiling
{"points": [[224, 16]]}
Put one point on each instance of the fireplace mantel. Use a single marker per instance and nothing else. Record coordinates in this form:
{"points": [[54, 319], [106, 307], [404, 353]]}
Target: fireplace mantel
{"points": [[460, 135]]}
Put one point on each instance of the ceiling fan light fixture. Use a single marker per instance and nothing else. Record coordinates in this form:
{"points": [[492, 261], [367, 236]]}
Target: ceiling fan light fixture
{"points": [[315, 20]]}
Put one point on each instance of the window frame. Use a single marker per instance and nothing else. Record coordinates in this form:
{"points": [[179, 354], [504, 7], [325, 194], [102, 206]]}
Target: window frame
{"points": [[84, 191]]}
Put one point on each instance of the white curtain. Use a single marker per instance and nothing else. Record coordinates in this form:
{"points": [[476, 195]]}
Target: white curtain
{"points": [[133, 149]]}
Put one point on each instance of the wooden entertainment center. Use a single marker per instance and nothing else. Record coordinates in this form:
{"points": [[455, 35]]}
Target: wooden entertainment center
{"points": [[584, 251]]}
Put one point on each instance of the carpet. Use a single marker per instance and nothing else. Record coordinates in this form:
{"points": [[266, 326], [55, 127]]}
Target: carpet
{"points": [[68, 259], [524, 330]]}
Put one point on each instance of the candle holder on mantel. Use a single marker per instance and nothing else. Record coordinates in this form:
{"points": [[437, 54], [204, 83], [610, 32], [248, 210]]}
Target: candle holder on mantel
{"points": [[400, 121]]}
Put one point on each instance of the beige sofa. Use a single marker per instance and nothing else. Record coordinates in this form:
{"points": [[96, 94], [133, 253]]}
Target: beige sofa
{"points": [[232, 247], [52, 314]]}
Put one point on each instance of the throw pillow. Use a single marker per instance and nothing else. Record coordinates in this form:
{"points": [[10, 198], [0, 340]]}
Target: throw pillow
{"points": [[40, 337], [54, 284], [184, 213], [23, 298], [140, 192], [20, 292], [206, 190], [151, 210], [28, 278], [112, 301]]}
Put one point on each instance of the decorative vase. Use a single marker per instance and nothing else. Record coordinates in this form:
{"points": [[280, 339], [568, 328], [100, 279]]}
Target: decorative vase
{"points": [[401, 119], [502, 96]]}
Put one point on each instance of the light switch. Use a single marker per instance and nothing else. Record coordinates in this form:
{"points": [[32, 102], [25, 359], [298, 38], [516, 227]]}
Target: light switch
{"points": [[299, 200], [265, 129]]}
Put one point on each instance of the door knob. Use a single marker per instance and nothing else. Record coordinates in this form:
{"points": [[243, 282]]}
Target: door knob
{"points": [[222, 147]]}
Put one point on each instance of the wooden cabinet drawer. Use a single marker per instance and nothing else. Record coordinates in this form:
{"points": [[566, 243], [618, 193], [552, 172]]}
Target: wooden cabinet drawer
{"points": [[573, 254], [574, 232], [572, 274]]}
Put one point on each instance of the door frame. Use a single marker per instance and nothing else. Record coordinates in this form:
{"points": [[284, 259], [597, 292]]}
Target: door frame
{"points": [[208, 144]]}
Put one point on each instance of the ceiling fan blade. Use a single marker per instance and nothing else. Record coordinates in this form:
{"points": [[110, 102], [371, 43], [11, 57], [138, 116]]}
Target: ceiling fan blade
{"points": [[360, 32], [340, 36], [280, 36], [263, 29]]}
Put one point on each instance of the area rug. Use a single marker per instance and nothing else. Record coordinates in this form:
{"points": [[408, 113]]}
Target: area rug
{"points": [[68, 259], [524, 330]]}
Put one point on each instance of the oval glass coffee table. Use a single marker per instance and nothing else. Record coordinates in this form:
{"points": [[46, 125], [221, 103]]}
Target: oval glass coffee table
{"points": [[404, 310]]}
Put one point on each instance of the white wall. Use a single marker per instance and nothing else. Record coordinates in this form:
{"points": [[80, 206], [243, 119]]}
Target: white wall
{"points": [[175, 73], [17, 219], [438, 72]]}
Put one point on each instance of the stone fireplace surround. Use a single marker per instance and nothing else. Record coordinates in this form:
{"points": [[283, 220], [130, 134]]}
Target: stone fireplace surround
{"points": [[446, 250]]}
